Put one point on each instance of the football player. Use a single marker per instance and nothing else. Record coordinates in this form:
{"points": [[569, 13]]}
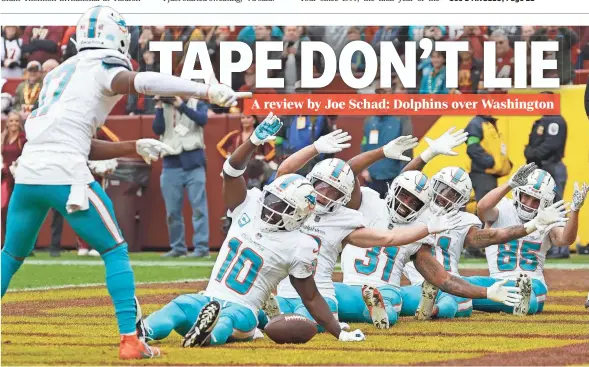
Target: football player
{"points": [[452, 189], [263, 246], [522, 261], [53, 172], [337, 220]]}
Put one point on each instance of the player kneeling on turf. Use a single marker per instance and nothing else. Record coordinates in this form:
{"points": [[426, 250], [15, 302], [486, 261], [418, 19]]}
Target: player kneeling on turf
{"points": [[263, 247]]}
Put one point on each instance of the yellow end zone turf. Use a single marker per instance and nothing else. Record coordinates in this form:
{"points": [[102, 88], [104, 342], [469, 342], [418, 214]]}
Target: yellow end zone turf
{"points": [[77, 327]]}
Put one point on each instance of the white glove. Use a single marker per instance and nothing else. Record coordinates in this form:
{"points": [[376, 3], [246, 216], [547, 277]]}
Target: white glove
{"points": [[395, 148], [554, 213], [344, 326], [520, 177], [509, 296], [444, 144], [334, 142], [351, 336], [266, 130], [579, 196], [222, 95], [443, 223], [151, 149]]}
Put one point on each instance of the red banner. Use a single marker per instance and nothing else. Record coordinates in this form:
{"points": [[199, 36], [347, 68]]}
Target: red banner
{"points": [[404, 104]]}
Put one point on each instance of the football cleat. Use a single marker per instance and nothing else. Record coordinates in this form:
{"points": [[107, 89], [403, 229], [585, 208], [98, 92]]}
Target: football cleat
{"points": [[373, 300], [133, 348], [524, 283], [587, 303], [271, 307], [200, 333], [142, 329], [429, 292]]}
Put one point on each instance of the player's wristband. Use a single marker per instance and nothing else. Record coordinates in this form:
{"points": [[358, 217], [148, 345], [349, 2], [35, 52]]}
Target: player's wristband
{"points": [[427, 155], [530, 226], [230, 171]]}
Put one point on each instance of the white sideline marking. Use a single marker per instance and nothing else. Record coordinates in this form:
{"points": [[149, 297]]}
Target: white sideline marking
{"points": [[89, 285], [204, 264]]}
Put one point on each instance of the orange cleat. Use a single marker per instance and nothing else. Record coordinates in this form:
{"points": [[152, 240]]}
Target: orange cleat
{"points": [[133, 348]]}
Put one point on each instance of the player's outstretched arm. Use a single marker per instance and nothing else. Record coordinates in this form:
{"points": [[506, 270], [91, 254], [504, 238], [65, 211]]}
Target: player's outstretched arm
{"points": [[481, 238], [149, 149], [234, 186], [486, 207], [565, 236], [392, 150], [442, 145], [152, 83], [372, 237], [315, 304], [435, 273], [334, 142]]}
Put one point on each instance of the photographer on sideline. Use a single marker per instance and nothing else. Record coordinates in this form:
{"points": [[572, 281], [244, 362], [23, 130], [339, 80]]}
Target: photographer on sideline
{"points": [[180, 122]]}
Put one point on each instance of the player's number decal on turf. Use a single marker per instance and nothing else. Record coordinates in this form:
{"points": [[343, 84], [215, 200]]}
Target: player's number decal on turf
{"points": [[518, 253], [245, 269], [369, 264], [53, 87], [444, 245]]}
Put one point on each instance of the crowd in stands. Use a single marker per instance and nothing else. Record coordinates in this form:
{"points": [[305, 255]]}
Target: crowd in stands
{"points": [[31, 52]]}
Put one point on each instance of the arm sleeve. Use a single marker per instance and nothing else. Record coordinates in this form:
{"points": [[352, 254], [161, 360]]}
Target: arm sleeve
{"points": [[553, 139], [159, 123], [474, 149]]}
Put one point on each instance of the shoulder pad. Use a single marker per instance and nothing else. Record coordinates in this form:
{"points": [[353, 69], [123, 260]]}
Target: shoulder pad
{"points": [[111, 62]]}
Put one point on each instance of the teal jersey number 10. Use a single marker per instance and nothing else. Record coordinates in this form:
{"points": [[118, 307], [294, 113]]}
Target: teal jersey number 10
{"points": [[243, 255]]}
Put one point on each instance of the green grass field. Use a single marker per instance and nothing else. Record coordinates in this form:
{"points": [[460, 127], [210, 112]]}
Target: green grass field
{"points": [[75, 325]]}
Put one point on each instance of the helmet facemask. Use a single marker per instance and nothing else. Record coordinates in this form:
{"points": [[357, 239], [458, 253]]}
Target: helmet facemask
{"points": [[404, 207], [325, 204], [277, 214], [533, 202], [446, 198]]}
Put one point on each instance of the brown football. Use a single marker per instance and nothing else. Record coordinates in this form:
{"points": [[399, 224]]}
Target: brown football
{"points": [[290, 329]]}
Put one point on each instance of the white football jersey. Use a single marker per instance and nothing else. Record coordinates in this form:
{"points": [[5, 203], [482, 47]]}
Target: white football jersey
{"points": [[525, 255], [328, 230], [379, 265], [251, 263], [75, 100], [448, 248]]}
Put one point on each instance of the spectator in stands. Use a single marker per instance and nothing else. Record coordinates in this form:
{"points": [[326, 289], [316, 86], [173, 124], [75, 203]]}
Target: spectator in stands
{"points": [[298, 132], [249, 78], [435, 33], [264, 33], [7, 103], [180, 124], [527, 32], [358, 61], [476, 39], [214, 38], [378, 131], [12, 140], [487, 150], [434, 82], [513, 33], [42, 43], [252, 34], [505, 56], [48, 66], [388, 34], [69, 33], [291, 57], [566, 39], [143, 104], [11, 52], [27, 92], [185, 35], [470, 72], [262, 164]]}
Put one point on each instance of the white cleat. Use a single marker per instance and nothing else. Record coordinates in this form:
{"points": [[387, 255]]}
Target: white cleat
{"points": [[524, 283], [93, 253], [271, 307], [258, 334], [373, 300], [83, 252], [429, 292]]}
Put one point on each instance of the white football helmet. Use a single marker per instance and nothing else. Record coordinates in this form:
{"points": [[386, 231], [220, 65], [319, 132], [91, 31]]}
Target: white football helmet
{"points": [[540, 185], [286, 203], [451, 188], [337, 174], [102, 27], [408, 196]]}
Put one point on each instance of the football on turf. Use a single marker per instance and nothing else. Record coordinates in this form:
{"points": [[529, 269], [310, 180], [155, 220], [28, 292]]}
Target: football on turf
{"points": [[290, 329]]}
